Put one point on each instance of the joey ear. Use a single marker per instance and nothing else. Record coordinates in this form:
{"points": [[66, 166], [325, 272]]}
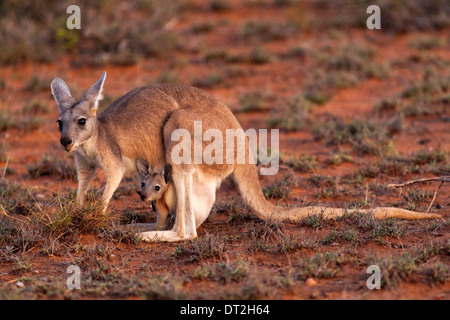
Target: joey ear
{"points": [[62, 95], [94, 94], [143, 167], [167, 172]]}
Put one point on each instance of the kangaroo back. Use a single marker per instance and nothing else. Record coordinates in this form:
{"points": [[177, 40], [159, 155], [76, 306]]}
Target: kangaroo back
{"points": [[135, 121]]}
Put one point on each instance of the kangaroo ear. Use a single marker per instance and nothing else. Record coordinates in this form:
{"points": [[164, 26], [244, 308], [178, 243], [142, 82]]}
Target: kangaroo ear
{"points": [[143, 167], [167, 172], [62, 95], [94, 94]]}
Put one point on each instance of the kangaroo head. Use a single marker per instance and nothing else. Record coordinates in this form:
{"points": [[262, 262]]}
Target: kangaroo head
{"points": [[78, 119], [154, 183]]}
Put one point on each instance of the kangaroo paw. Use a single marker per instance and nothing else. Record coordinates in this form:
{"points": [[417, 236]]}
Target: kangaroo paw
{"points": [[161, 236]]}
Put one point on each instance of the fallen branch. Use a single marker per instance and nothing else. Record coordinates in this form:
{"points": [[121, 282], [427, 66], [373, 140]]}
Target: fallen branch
{"points": [[434, 196], [6, 168], [441, 179], [401, 185]]}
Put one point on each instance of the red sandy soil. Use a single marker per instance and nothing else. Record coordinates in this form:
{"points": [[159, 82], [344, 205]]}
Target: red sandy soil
{"points": [[284, 78]]}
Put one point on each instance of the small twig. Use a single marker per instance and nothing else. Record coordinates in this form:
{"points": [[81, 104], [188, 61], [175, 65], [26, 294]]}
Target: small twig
{"points": [[434, 197], [401, 185], [442, 179], [171, 23], [367, 193], [3, 211], [6, 167], [400, 194]]}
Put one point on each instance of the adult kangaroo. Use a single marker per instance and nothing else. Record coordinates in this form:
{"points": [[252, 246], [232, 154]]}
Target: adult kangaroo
{"points": [[141, 124]]}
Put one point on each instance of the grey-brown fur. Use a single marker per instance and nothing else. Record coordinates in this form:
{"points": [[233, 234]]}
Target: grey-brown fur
{"points": [[156, 187], [140, 125]]}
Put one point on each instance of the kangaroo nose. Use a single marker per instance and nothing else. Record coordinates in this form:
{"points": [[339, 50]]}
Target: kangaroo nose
{"points": [[65, 141]]}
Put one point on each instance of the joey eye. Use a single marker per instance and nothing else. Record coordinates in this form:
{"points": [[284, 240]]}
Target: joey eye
{"points": [[142, 184], [59, 123], [82, 121], [157, 188]]}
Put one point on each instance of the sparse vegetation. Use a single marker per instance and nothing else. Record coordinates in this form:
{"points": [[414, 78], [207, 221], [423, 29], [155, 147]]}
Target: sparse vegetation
{"points": [[339, 158], [427, 43], [306, 163], [202, 27], [209, 81], [297, 52], [37, 83], [279, 189], [312, 221], [293, 115], [267, 31], [423, 157], [29, 33], [348, 58], [254, 100], [27, 120], [413, 263], [294, 71], [260, 56], [14, 198], [219, 5], [204, 247], [399, 17], [322, 265], [27, 221], [28, 124], [35, 107], [3, 149], [365, 137], [237, 210], [167, 77], [6, 120], [342, 68], [49, 165], [323, 85]]}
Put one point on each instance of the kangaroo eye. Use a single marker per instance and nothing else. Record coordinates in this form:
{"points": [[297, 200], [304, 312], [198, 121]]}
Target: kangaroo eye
{"points": [[142, 184], [82, 121], [59, 123], [157, 188]]}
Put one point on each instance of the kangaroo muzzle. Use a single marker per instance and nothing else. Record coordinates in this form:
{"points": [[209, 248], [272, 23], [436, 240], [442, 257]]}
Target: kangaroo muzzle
{"points": [[66, 142]]}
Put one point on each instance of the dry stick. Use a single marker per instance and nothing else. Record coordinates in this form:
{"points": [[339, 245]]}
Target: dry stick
{"points": [[401, 185], [442, 179], [3, 211], [434, 197], [6, 167], [367, 192]]}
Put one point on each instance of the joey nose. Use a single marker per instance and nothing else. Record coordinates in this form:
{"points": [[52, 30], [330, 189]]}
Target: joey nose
{"points": [[65, 141], [143, 196]]}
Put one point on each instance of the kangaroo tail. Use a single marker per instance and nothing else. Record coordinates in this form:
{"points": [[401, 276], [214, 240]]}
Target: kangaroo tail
{"points": [[247, 179]]}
